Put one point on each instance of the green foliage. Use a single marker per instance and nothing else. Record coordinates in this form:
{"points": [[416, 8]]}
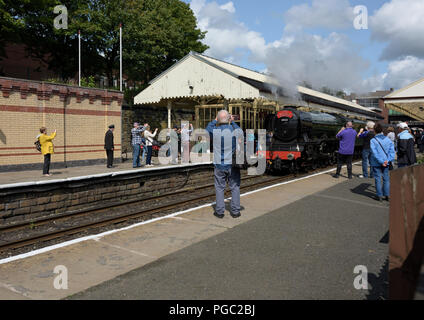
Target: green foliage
{"points": [[156, 33], [88, 82]]}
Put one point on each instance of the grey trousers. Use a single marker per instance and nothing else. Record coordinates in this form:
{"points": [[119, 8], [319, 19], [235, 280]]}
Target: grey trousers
{"points": [[231, 175]]}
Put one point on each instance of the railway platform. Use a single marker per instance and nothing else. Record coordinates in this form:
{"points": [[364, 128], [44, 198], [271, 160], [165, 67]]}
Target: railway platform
{"points": [[30, 177], [300, 239]]}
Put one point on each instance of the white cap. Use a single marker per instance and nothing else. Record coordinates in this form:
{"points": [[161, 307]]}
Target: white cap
{"points": [[403, 125]]}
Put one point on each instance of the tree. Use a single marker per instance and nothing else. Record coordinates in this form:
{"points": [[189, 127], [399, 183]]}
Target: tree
{"points": [[156, 33], [31, 23], [9, 26], [164, 33]]}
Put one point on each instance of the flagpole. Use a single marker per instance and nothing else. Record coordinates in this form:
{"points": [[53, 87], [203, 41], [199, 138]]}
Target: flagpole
{"points": [[120, 56], [79, 58]]}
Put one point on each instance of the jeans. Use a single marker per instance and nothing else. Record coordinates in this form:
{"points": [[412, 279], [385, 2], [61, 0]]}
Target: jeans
{"points": [[143, 155], [185, 152], [382, 172], [231, 175], [149, 155], [136, 155], [342, 158], [366, 156], [46, 166]]}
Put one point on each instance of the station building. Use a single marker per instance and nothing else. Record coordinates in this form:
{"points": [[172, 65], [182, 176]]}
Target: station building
{"points": [[206, 85], [408, 101], [193, 89]]}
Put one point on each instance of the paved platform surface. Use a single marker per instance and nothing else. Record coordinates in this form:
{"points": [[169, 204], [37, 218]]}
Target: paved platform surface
{"points": [[29, 176], [299, 240]]}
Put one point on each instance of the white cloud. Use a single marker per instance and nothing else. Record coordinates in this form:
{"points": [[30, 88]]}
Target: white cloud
{"points": [[401, 24], [332, 61], [329, 14], [229, 6], [400, 73], [227, 38]]}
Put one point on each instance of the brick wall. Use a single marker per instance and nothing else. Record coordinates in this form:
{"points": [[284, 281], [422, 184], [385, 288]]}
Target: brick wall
{"points": [[81, 117], [384, 110], [32, 202]]}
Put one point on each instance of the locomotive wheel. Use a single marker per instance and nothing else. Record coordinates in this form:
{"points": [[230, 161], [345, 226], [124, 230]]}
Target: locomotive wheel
{"points": [[332, 159]]}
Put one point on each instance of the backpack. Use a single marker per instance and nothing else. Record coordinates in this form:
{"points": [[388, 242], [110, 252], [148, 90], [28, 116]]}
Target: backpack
{"points": [[37, 145]]}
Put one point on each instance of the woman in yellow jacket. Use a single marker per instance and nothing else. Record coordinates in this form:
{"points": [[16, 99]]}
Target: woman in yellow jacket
{"points": [[47, 149]]}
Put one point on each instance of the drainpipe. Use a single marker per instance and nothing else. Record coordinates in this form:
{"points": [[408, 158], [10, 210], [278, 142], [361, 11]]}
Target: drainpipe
{"points": [[64, 127]]}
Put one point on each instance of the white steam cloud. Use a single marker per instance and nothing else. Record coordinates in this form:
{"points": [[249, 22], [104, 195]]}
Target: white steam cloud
{"points": [[331, 61]]}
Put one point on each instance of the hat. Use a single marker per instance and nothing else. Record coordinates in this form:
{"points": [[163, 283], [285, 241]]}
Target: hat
{"points": [[403, 125], [112, 126]]}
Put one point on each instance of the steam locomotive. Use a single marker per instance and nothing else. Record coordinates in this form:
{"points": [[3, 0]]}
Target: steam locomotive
{"points": [[304, 139]]}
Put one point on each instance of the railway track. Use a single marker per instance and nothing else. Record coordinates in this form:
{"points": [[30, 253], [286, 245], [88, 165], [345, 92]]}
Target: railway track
{"points": [[71, 225]]}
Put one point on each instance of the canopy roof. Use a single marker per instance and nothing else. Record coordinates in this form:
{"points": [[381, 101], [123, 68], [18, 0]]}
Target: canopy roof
{"points": [[408, 100], [197, 75]]}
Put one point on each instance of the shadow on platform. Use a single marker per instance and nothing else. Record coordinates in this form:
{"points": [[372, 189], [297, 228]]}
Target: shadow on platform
{"points": [[379, 284], [364, 190], [227, 207]]}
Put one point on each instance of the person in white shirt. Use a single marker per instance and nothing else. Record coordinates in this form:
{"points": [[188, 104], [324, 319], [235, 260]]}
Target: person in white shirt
{"points": [[149, 136], [185, 142]]}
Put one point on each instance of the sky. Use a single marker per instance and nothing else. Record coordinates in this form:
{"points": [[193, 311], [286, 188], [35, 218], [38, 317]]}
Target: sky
{"points": [[316, 41]]}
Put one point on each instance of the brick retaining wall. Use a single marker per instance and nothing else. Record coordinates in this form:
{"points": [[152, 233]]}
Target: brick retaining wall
{"points": [[29, 203]]}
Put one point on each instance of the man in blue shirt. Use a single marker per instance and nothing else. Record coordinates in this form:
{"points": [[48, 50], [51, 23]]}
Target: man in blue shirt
{"points": [[347, 137], [224, 140], [382, 154]]}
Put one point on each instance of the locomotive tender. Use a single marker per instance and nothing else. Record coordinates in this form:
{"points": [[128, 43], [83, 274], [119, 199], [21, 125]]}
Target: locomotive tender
{"points": [[304, 139]]}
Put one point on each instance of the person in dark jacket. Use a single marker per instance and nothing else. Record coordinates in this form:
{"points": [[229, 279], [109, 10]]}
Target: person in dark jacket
{"points": [[347, 137], [109, 146], [406, 147], [366, 135], [422, 142], [419, 140]]}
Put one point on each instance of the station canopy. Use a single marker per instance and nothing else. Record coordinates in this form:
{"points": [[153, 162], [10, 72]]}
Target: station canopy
{"points": [[408, 100], [198, 76]]}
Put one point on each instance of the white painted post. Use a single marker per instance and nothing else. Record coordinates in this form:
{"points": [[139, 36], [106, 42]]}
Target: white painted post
{"points": [[120, 56], [79, 58], [169, 114]]}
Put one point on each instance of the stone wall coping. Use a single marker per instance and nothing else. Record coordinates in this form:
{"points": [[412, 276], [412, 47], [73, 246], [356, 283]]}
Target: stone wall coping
{"points": [[45, 90], [99, 175]]}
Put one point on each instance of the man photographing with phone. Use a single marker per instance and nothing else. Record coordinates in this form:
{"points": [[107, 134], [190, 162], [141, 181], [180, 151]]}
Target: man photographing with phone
{"points": [[224, 169], [347, 137]]}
